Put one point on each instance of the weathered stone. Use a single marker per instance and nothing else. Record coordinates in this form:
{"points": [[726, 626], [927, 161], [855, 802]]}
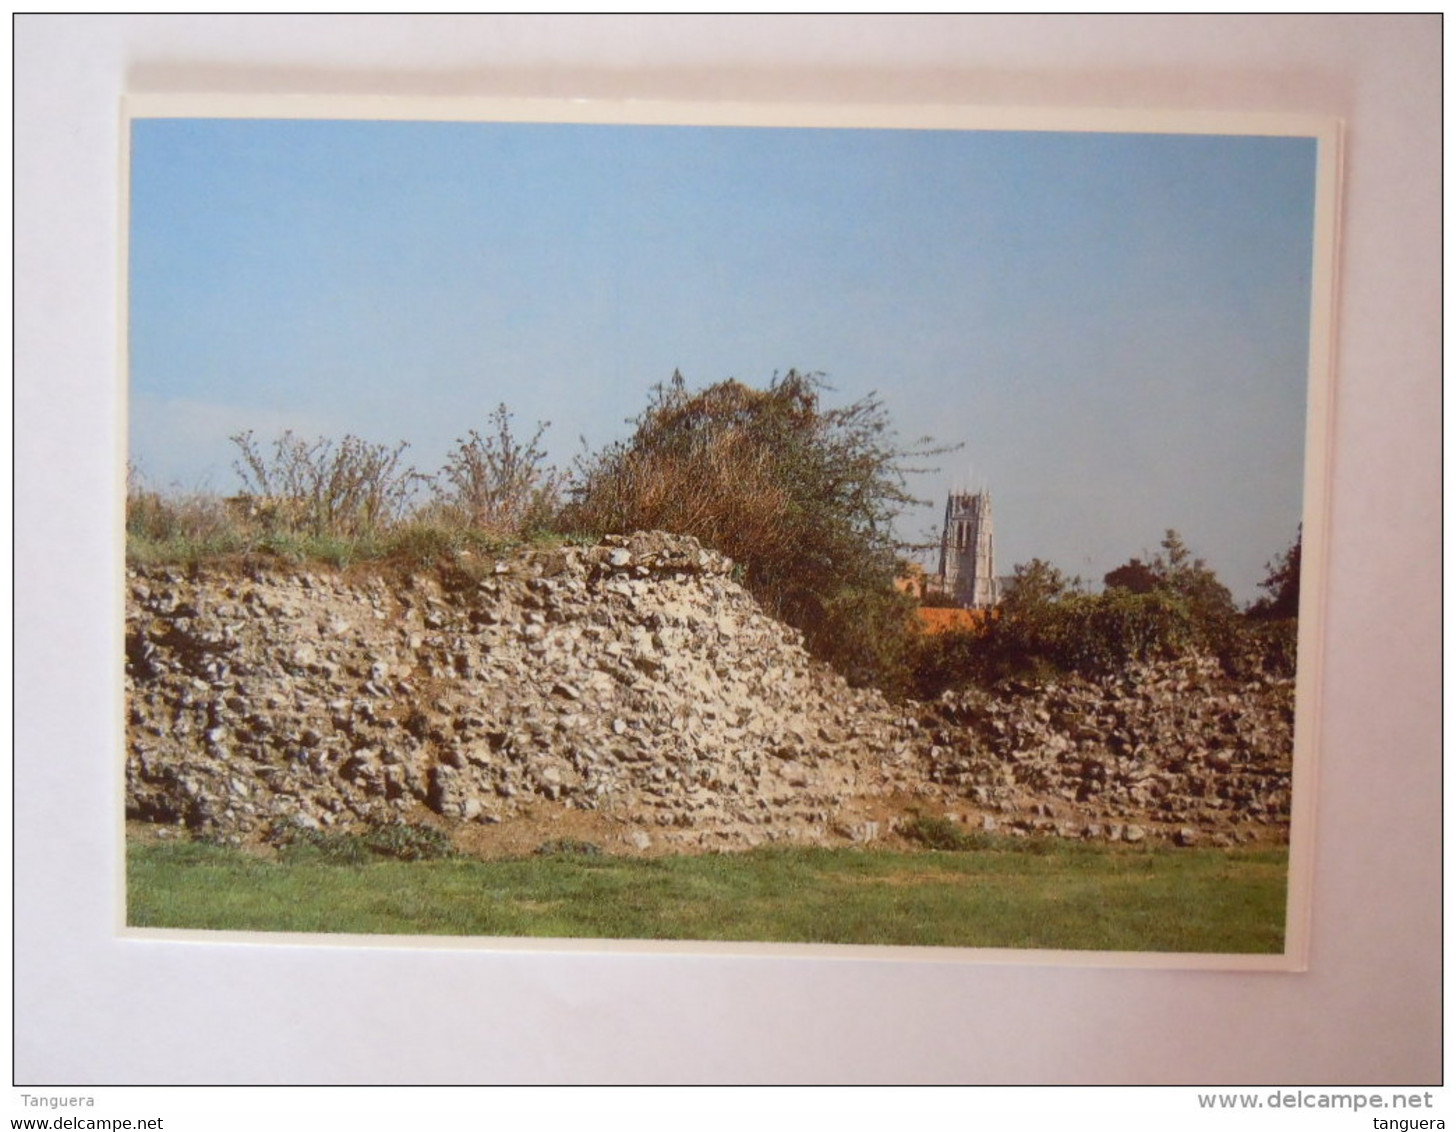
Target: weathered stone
{"points": [[658, 690]]}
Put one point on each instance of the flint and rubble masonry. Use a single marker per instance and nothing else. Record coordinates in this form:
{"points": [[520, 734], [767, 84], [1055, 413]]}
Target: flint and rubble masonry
{"points": [[638, 679]]}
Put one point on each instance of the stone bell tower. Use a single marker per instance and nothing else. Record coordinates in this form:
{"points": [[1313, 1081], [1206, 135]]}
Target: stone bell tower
{"points": [[967, 551]]}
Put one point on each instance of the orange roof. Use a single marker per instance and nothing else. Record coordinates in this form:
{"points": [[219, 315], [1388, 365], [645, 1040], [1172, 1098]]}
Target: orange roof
{"points": [[937, 619]]}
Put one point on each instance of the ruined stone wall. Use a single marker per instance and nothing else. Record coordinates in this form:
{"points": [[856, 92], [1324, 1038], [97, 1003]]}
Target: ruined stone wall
{"points": [[1177, 745], [634, 681], [634, 678]]}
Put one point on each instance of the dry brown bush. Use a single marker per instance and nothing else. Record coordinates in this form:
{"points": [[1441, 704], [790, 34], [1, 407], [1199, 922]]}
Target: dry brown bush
{"points": [[350, 489], [496, 484]]}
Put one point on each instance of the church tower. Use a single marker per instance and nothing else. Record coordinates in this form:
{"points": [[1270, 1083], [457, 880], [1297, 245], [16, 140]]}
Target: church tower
{"points": [[967, 551]]}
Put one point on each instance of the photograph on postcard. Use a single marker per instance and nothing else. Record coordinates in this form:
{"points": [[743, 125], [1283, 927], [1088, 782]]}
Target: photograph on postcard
{"points": [[685, 530]]}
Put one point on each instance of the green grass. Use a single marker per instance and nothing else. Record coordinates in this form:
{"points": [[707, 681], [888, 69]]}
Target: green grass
{"points": [[1039, 896], [411, 545]]}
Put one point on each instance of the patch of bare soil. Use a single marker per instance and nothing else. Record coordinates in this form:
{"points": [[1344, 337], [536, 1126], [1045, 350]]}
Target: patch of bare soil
{"points": [[542, 824]]}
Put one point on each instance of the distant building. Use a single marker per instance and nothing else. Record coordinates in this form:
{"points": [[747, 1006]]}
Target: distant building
{"points": [[967, 571]]}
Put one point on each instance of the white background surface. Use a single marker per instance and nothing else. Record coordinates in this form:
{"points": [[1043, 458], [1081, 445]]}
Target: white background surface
{"points": [[91, 1009]]}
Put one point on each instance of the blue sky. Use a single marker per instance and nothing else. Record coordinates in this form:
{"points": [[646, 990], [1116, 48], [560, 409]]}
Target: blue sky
{"points": [[1115, 326]]}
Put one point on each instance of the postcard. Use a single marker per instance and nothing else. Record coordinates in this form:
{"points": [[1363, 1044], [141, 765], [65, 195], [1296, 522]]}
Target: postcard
{"points": [[873, 530]]}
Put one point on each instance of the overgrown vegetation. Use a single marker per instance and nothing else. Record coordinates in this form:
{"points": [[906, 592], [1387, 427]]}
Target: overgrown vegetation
{"points": [[801, 495], [941, 833], [314, 500], [1171, 606], [568, 847], [351, 489], [398, 841], [498, 484]]}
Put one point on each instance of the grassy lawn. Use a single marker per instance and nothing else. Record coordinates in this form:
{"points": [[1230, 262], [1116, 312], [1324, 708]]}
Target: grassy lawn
{"points": [[1026, 895]]}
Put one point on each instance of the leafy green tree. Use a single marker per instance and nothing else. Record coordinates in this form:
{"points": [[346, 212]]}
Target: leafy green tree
{"points": [[1134, 576], [952, 659], [1050, 626], [1169, 606], [1281, 585], [801, 495], [1180, 573], [1032, 585]]}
